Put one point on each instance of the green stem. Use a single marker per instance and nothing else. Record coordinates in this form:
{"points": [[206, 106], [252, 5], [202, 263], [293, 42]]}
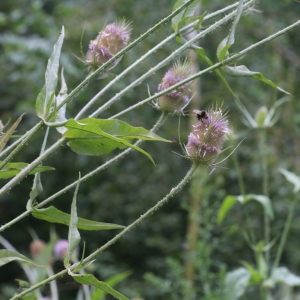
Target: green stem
{"points": [[31, 166], [118, 236], [18, 141], [22, 143], [287, 227], [158, 124], [209, 69], [167, 60], [243, 193], [239, 174], [263, 150], [265, 187]]}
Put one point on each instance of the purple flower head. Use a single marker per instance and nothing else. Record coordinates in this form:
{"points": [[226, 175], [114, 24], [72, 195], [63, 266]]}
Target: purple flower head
{"points": [[61, 249], [111, 40], [175, 101], [206, 140]]}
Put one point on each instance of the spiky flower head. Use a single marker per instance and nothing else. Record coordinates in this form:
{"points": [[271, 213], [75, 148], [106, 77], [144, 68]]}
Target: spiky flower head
{"points": [[111, 40], [176, 100], [206, 140]]}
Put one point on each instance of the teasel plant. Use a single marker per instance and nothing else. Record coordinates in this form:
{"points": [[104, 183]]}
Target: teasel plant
{"points": [[93, 136]]}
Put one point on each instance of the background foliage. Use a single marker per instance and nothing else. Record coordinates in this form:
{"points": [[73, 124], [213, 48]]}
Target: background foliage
{"points": [[155, 252]]}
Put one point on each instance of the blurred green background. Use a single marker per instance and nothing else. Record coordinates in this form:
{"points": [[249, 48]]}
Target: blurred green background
{"points": [[156, 250]]}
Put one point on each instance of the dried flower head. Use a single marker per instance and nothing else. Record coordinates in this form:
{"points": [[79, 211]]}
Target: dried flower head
{"points": [[111, 40], [176, 100], [36, 247], [206, 140]]}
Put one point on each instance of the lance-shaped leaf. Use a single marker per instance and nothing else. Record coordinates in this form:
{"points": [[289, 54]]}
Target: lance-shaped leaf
{"points": [[73, 235], [243, 71], [46, 97], [186, 15], [99, 294], [292, 178], [12, 169], [54, 215], [37, 186], [222, 50], [7, 256], [236, 283], [60, 115], [8, 133], [229, 201], [91, 280], [284, 275], [223, 47], [96, 137]]}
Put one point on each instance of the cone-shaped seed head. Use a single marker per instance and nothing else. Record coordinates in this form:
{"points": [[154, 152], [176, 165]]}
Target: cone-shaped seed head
{"points": [[205, 142], [111, 40], [176, 100]]}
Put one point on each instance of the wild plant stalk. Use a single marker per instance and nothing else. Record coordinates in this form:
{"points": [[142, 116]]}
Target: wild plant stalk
{"points": [[137, 62], [205, 142], [185, 46], [160, 203], [158, 124], [23, 140], [60, 142], [213, 67], [265, 187], [286, 229], [150, 31], [195, 195]]}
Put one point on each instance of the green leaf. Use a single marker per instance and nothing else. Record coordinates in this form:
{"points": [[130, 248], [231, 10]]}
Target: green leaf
{"points": [[224, 46], [236, 283], [243, 71], [8, 133], [60, 115], [30, 297], [262, 265], [229, 201], [112, 281], [73, 235], [37, 188], [183, 16], [7, 256], [263, 200], [238, 14], [116, 128], [96, 137], [200, 51], [200, 21], [256, 277], [39, 103], [226, 206], [45, 98], [284, 275], [91, 280], [53, 215], [222, 50], [292, 178], [12, 169]]}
